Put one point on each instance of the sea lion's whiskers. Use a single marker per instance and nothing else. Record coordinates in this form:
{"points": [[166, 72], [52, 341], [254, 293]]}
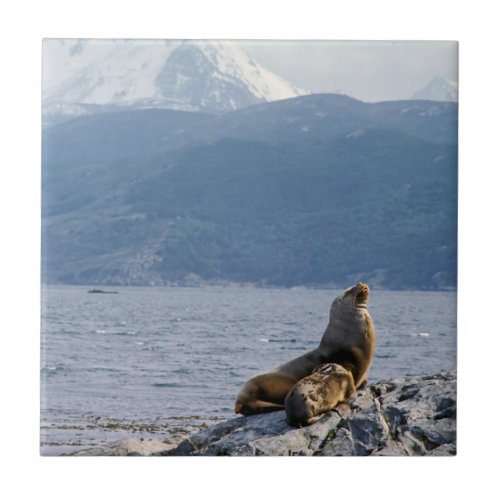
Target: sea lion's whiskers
{"points": [[354, 297]]}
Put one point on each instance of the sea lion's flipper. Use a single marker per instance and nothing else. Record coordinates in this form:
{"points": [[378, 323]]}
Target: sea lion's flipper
{"points": [[257, 406], [312, 420], [344, 407], [264, 393]]}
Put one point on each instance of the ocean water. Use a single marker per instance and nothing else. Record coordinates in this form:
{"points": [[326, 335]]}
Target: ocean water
{"points": [[164, 362]]}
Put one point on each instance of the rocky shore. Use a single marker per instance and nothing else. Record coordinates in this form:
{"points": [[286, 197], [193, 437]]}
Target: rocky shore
{"points": [[399, 417]]}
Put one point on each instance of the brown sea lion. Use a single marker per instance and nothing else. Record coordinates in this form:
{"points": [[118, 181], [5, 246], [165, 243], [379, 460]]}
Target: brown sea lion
{"points": [[349, 340], [329, 385]]}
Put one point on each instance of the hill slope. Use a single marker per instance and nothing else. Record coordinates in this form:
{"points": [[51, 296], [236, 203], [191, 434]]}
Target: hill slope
{"points": [[366, 192]]}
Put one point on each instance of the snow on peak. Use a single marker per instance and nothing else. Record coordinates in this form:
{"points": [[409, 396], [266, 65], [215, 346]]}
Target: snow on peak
{"points": [[190, 75], [232, 60], [438, 89]]}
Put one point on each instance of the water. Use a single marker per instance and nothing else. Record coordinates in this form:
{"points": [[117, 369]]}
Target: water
{"points": [[163, 362]]}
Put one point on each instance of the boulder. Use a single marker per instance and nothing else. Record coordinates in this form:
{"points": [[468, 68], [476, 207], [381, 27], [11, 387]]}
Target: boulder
{"points": [[408, 416], [400, 417], [126, 448]]}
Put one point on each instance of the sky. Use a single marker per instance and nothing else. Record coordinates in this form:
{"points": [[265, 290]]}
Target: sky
{"points": [[366, 70]]}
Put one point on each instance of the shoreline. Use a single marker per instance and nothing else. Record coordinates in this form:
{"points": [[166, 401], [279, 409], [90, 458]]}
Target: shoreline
{"points": [[407, 416], [237, 285], [74, 435]]}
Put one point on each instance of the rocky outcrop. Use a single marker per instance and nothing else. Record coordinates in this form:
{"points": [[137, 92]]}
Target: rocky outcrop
{"points": [[127, 448], [411, 416], [398, 417]]}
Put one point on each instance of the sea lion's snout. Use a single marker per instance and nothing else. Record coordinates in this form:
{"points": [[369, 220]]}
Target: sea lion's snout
{"points": [[361, 293]]}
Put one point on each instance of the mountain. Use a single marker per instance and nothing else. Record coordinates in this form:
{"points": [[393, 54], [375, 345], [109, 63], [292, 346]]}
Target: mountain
{"points": [[211, 76], [319, 189], [106, 136], [438, 89]]}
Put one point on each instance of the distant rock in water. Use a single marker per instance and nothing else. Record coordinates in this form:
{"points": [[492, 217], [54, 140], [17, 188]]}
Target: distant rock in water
{"points": [[399, 417], [95, 290]]}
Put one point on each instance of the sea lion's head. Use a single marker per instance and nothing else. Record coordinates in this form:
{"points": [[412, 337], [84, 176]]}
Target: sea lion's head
{"points": [[352, 299], [330, 369]]}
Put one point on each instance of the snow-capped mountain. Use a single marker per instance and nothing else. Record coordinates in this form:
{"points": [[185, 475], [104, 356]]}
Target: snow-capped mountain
{"points": [[438, 89], [214, 76]]}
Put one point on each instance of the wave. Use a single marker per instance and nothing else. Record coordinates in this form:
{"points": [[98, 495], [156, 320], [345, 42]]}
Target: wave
{"points": [[52, 369], [179, 385], [130, 332], [182, 371]]}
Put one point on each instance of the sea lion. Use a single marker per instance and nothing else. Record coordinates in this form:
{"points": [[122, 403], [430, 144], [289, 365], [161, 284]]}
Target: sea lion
{"points": [[329, 385], [349, 340]]}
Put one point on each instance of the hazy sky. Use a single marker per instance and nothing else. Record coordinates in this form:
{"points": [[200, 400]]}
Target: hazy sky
{"points": [[370, 71]]}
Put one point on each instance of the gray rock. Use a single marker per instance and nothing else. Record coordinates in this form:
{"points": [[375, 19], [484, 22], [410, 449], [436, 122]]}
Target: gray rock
{"points": [[126, 448], [266, 434], [399, 417]]}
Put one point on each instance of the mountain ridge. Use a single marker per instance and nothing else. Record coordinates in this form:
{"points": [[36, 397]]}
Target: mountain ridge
{"points": [[188, 75], [315, 115]]}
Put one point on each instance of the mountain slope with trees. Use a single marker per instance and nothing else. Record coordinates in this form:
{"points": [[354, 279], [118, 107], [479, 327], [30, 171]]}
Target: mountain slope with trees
{"points": [[314, 190]]}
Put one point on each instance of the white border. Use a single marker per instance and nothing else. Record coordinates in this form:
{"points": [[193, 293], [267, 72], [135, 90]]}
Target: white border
{"points": [[24, 24]]}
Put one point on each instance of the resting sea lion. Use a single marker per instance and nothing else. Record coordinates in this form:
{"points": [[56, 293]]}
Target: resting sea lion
{"points": [[329, 385], [349, 340]]}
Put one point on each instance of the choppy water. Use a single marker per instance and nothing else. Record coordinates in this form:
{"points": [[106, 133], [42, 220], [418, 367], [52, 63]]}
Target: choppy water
{"points": [[159, 362]]}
